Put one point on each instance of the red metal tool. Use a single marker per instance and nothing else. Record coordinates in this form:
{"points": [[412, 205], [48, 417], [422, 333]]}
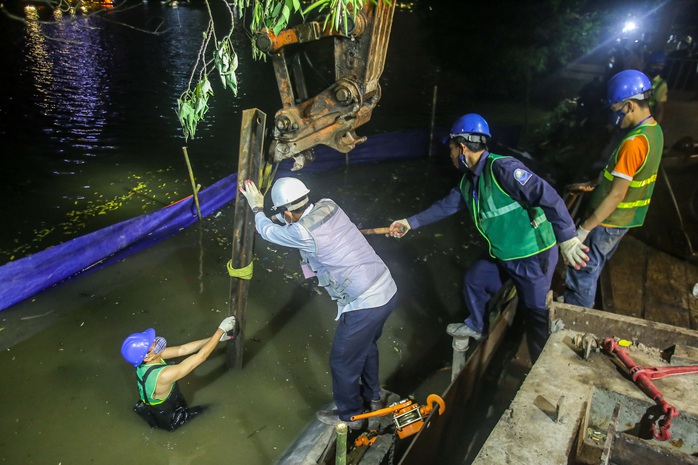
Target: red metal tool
{"points": [[643, 376]]}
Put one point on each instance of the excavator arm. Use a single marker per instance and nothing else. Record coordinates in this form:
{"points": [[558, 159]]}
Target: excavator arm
{"points": [[331, 117]]}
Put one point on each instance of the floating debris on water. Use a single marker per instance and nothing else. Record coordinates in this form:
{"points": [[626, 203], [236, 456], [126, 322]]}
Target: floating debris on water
{"points": [[32, 317]]}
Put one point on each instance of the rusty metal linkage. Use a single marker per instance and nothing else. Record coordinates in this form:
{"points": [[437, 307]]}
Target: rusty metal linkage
{"points": [[331, 117]]}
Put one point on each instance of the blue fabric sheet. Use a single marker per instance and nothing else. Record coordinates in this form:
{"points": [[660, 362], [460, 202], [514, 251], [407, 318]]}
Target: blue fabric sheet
{"points": [[23, 278]]}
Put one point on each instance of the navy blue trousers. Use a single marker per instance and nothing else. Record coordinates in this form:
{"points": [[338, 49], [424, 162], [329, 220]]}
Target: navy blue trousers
{"points": [[531, 277], [354, 358]]}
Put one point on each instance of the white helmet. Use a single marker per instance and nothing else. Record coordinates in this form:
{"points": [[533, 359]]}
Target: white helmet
{"points": [[289, 194]]}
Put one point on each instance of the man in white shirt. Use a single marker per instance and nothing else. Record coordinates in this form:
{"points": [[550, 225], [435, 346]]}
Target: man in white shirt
{"points": [[334, 250]]}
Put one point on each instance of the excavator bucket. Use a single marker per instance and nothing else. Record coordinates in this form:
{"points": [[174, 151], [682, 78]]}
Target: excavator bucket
{"points": [[331, 117]]}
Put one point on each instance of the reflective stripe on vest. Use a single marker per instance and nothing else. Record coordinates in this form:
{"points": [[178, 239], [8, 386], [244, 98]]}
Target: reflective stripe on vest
{"points": [[635, 184], [632, 210], [512, 231]]}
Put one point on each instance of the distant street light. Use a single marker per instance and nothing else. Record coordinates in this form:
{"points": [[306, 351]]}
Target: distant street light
{"points": [[629, 26]]}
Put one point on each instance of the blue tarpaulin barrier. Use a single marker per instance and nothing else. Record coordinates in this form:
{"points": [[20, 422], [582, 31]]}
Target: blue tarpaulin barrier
{"points": [[23, 278]]}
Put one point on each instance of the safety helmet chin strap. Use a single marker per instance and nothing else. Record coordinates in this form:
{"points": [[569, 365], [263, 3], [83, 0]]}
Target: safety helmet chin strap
{"points": [[294, 205]]}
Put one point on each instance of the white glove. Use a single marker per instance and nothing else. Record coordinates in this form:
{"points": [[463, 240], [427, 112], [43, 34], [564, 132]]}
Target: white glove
{"points": [[254, 198], [582, 233], [227, 326], [399, 228], [573, 253]]}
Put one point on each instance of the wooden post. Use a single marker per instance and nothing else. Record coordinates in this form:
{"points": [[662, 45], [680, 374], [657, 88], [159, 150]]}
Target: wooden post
{"points": [[249, 167], [194, 187], [340, 457]]}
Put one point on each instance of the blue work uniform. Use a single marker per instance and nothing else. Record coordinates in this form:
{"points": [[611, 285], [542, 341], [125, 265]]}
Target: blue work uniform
{"points": [[532, 274], [348, 268]]}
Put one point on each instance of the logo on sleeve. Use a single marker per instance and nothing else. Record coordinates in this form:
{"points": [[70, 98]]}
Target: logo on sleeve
{"points": [[522, 176]]}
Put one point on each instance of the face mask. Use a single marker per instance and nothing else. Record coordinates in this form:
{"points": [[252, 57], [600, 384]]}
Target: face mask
{"points": [[160, 345], [462, 164], [616, 117], [281, 219]]}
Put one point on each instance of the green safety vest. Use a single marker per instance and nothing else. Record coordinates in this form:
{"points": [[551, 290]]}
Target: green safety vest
{"points": [[653, 98], [512, 230], [150, 382], [632, 210]]}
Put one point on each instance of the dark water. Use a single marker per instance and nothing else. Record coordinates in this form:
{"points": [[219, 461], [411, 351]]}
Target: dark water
{"points": [[88, 124], [87, 117], [90, 138]]}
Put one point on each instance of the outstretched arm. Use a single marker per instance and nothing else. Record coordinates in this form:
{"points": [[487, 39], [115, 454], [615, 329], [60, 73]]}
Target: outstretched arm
{"points": [[203, 348], [174, 373], [184, 349], [452, 203]]}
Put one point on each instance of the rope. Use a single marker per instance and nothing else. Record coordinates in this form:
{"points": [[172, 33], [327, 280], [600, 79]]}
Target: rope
{"points": [[266, 177], [242, 273]]}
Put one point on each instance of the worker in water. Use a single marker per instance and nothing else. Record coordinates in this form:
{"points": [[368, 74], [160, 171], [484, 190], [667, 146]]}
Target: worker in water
{"points": [[522, 218], [622, 196], [334, 251], [656, 64], [161, 402]]}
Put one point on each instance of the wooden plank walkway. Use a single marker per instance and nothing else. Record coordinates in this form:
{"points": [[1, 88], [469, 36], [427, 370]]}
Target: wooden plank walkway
{"points": [[644, 282]]}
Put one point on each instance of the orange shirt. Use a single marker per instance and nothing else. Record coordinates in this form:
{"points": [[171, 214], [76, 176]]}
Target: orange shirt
{"points": [[631, 157]]}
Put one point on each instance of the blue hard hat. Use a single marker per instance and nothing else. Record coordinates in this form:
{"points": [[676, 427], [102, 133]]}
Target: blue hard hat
{"points": [[471, 123], [136, 346], [630, 83]]}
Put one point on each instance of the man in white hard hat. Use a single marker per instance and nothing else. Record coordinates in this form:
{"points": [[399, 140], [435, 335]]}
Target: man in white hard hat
{"points": [[334, 250]]}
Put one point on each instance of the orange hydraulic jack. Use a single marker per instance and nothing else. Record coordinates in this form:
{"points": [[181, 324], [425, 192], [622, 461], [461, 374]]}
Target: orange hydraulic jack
{"points": [[407, 416]]}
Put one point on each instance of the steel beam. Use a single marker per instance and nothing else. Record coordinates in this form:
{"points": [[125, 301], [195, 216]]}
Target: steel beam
{"points": [[249, 167]]}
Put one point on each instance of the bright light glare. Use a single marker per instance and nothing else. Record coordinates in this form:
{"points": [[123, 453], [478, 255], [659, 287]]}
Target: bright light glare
{"points": [[629, 26]]}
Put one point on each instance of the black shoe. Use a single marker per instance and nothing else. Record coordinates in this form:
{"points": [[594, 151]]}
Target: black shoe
{"points": [[331, 417]]}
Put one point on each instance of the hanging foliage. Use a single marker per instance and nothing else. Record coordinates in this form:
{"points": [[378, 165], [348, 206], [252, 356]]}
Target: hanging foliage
{"points": [[226, 63], [269, 15], [338, 11], [192, 106]]}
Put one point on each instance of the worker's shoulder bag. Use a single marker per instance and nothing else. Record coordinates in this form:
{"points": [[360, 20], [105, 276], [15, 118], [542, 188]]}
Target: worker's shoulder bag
{"points": [[142, 408]]}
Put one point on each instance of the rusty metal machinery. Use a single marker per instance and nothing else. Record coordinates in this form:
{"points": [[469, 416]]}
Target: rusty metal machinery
{"points": [[331, 117]]}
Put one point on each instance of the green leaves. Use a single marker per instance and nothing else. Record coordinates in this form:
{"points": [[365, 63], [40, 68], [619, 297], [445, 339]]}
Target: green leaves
{"points": [[270, 15], [338, 11], [226, 61], [192, 106]]}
